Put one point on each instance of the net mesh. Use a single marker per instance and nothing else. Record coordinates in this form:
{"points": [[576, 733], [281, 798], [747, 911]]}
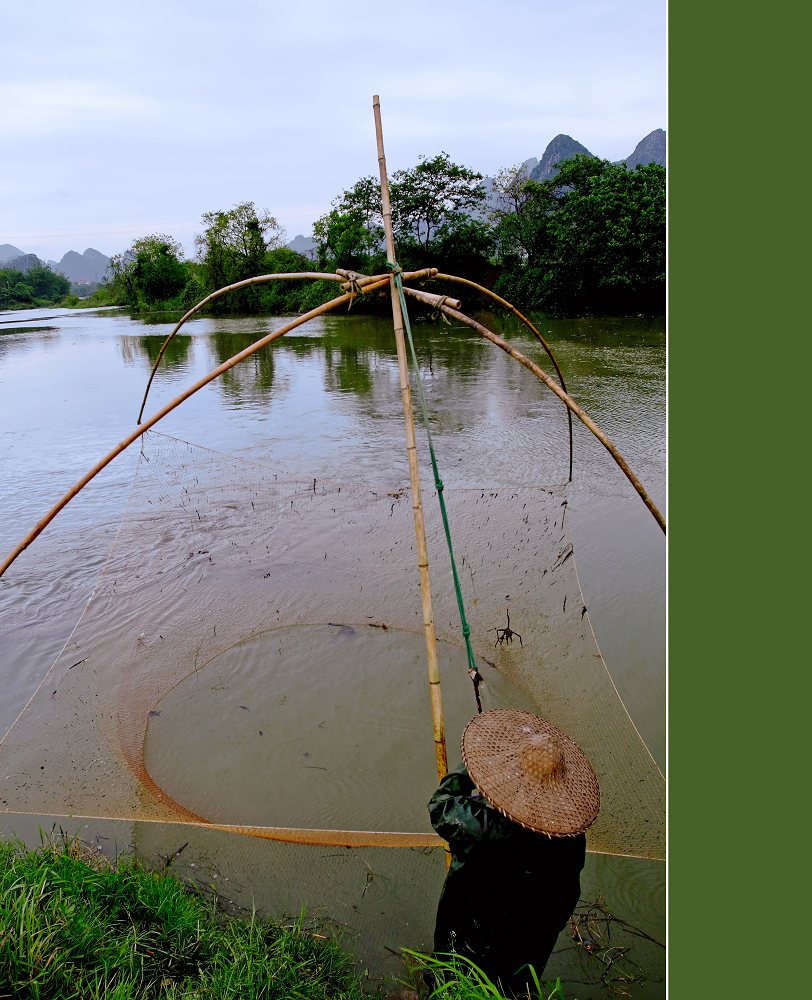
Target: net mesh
{"points": [[253, 657]]}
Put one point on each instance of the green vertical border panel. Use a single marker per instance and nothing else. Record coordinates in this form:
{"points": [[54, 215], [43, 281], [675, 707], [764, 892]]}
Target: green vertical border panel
{"points": [[738, 508]]}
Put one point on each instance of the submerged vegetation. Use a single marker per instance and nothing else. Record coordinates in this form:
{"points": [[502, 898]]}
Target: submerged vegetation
{"points": [[74, 925], [591, 241]]}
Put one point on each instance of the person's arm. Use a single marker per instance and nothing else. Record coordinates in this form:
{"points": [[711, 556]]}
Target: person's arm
{"points": [[462, 816]]}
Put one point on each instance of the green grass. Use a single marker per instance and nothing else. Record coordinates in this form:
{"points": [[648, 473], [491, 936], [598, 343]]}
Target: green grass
{"points": [[456, 977], [74, 926]]}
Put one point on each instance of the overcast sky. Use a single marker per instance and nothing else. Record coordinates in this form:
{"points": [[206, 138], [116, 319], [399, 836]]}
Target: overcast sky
{"points": [[119, 120]]}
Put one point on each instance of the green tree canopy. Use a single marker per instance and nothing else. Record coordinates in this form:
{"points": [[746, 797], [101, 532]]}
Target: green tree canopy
{"points": [[38, 286], [589, 241], [523, 209], [232, 247], [431, 206], [46, 284], [233, 244], [344, 239], [149, 271], [436, 194]]}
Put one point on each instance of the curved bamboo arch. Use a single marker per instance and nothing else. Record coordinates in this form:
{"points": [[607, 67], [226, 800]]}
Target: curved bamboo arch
{"points": [[353, 284], [523, 319], [357, 285], [141, 429], [260, 279], [578, 410], [355, 281]]}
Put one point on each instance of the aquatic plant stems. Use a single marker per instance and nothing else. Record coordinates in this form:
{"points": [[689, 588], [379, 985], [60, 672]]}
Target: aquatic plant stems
{"points": [[142, 428], [414, 472], [582, 415]]}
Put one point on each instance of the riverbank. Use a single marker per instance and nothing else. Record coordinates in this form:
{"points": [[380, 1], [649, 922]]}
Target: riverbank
{"points": [[75, 924]]}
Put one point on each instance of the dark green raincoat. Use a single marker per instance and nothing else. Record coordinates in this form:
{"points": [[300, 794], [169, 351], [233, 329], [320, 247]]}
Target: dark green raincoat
{"points": [[509, 891]]}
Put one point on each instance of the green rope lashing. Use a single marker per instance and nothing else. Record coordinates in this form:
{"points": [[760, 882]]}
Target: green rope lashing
{"points": [[473, 673]]}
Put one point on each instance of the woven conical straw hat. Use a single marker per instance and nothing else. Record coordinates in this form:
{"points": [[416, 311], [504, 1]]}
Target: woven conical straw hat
{"points": [[531, 772]]}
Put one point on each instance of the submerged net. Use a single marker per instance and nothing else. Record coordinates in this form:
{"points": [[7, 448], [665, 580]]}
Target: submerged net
{"points": [[253, 657]]}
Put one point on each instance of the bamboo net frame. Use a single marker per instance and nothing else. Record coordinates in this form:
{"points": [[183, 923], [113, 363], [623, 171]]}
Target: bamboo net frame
{"points": [[141, 429], [570, 403], [363, 284], [246, 283], [353, 284]]}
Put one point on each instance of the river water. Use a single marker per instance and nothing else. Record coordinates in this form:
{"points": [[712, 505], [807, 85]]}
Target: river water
{"points": [[323, 399]]}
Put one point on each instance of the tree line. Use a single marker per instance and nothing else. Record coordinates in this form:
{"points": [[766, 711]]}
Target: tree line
{"points": [[590, 241], [38, 286]]}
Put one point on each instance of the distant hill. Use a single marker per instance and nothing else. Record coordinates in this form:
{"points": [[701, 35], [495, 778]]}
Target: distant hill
{"points": [[651, 149], [23, 263], [562, 147], [92, 266], [82, 268], [8, 252], [305, 245]]}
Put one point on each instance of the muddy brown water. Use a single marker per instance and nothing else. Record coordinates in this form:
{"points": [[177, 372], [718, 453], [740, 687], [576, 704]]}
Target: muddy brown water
{"points": [[325, 398]]}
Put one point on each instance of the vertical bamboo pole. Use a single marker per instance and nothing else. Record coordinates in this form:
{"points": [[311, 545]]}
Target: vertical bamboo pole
{"points": [[414, 472]]}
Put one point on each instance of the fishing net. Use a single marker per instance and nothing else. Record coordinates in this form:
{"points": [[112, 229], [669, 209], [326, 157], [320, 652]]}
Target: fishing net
{"points": [[253, 657]]}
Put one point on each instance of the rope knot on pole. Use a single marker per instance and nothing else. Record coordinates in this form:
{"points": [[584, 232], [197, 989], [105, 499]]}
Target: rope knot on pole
{"points": [[438, 312], [354, 289], [441, 316], [394, 267]]}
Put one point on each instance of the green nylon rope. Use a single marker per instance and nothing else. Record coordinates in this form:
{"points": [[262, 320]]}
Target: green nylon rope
{"points": [[473, 673]]}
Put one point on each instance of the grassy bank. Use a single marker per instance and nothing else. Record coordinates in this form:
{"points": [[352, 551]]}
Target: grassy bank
{"points": [[74, 925]]}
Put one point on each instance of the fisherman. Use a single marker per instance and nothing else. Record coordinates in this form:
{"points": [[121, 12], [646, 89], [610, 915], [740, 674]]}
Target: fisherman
{"points": [[514, 815]]}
